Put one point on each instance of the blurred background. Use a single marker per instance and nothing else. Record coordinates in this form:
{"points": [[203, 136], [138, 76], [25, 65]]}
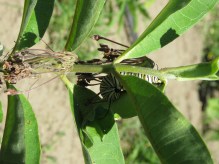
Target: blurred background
{"points": [[121, 21]]}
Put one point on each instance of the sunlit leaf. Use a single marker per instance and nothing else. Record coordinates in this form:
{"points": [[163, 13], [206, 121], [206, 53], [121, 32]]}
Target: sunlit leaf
{"points": [[173, 138], [98, 135], [213, 109], [20, 142], [86, 15], [176, 18], [202, 71], [35, 20]]}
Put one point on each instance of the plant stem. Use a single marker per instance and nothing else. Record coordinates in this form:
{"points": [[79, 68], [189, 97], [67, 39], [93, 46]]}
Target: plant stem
{"points": [[68, 84], [110, 68], [82, 68], [201, 71]]}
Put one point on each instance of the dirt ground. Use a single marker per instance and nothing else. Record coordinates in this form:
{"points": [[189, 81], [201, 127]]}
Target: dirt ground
{"points": [[50, 102]]}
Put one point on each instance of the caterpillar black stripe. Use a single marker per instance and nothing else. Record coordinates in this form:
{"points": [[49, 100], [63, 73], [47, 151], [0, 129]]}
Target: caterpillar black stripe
{"points": [[111, 89], [149, 78]]}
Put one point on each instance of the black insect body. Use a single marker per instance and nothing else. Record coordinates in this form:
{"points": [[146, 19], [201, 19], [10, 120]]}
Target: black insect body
{"points": [[110, 88]]}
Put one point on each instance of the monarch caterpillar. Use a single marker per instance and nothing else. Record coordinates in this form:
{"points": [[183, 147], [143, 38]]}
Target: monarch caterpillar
{"points": [[111, 89], [149, 78]]}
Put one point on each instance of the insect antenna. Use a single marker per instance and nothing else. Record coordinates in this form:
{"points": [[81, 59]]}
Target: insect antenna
{"points": [[47, 45], [98, 37], [14, 92], [28, 93]]}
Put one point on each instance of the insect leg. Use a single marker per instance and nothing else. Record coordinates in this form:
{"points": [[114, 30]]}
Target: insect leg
{"points": [[98, 37]]}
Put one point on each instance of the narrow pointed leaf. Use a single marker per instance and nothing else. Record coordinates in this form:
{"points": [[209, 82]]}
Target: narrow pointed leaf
{"points": [[20, 142], [35, 20], [202, 71], [176, 18], [76, 117], [86, 15], [97, 136], [123, 107], [173, 138]]}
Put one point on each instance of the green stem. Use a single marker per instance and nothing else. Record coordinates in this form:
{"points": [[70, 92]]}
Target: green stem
{"points": [[201, 71], [110, 68], [82, 68], [68, 84]]}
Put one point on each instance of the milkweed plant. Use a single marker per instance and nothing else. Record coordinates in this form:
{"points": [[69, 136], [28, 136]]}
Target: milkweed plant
{"points": [[128, 87]]}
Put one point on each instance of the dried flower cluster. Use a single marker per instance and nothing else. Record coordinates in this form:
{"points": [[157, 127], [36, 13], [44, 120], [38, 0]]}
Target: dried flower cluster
{"points": [[32, 62]]}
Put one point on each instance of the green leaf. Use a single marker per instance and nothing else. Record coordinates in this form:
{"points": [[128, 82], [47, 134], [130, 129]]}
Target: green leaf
{"points": [[1, 112], [86, 15], [213, 109], [123, 107], [202, 71], [20, 142], [98, 135], [120, 16], [108, 146], [176, 18], [173, 138], [143, 10], [212, 135], [35, 20]]}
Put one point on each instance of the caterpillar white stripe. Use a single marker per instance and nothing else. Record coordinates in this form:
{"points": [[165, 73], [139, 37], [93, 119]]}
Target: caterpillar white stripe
{"points": [[151, 79]]}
